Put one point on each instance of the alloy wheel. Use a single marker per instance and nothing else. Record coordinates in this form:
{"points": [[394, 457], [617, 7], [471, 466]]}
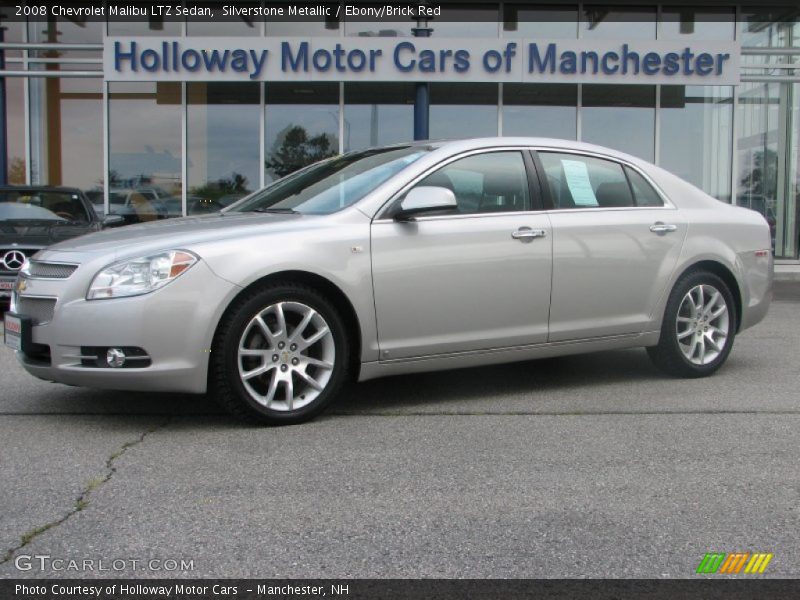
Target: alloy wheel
{"points": [[286, 356], [703, 324]]}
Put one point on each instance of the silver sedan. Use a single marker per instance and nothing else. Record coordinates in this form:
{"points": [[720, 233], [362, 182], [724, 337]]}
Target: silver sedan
{"points": [[399, 259]]}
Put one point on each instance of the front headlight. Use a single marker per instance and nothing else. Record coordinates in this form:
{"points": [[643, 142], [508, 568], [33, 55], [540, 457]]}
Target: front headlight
{"points": [[140, 275]]}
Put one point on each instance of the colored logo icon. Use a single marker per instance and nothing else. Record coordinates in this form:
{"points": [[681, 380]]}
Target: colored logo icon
{"points": [[734, 563]]}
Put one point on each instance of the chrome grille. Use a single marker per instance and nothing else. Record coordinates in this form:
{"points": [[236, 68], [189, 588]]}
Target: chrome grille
{"points": [[40, 310], [50, 270]]}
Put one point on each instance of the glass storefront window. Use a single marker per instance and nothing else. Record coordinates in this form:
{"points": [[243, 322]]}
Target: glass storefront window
{"points": [[618, 22], [15, 132], [774, 27], [687, 23], [696, 136], [222, 144], [467, 20], [543, 22], [757, 150], [376, 114], [620, 117], [229, 26], [461, 110], [66, 132], [540, 109], [301, 126], [153, 26], [63, 31], [144, 150], [362, 27], [12, 31], [767, 159]]}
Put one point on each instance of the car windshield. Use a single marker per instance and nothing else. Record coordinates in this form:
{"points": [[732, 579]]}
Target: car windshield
{"points": [[333, 184], [41, 205]]}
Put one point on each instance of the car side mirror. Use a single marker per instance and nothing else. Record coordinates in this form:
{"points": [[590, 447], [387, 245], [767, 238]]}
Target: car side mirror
{"points": [[425, 199], [112, 221]]}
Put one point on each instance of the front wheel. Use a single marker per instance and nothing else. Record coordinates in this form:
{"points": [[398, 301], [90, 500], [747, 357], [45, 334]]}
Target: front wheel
{"points": [[280, 355], [698, 329]]}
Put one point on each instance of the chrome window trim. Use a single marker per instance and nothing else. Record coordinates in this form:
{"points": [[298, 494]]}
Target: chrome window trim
{"points": [[621, 161], [668, 205], [380, 218]]}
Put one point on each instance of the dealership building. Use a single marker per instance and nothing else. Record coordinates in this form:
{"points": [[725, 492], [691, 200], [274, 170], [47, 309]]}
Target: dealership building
{"points": [[193, 114]]}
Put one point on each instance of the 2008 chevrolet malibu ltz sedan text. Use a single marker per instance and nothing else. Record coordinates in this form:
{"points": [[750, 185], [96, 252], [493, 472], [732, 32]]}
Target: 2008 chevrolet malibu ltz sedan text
{"points": [[395, 260]]}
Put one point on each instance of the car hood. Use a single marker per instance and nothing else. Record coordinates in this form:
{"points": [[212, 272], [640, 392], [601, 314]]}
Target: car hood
{"points": [[183, 233]]}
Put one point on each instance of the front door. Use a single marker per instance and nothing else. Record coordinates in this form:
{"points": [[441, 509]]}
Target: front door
{"points": [[473, 279]]}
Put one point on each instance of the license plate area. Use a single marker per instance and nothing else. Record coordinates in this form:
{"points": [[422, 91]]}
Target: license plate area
{"points": [[17, 331]]}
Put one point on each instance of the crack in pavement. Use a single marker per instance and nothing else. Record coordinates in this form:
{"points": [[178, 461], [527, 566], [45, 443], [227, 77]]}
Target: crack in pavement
{"points": [[82, 501]]}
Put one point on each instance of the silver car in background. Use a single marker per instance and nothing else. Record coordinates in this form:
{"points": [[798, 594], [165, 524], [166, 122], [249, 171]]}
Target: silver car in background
{"points": [[416, 257]]}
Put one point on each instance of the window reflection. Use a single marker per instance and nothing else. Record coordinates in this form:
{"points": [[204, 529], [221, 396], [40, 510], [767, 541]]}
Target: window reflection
{"points": [[222, 144], [15, 132], [757, 146], [144, 150], [544, 22], [301, 126], [467, 20], [696, 128], [377, 114], [230, 26], [685, 23], [618, 23], [545, 110], [461, 110], [775, 26], [155, 25], [66, 132], [620, 117]]}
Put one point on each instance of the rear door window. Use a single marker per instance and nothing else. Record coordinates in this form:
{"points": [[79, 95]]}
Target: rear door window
{"points": [[579, 182]]}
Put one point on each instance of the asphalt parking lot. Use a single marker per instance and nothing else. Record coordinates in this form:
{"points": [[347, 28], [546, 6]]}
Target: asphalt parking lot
{"points": [[586, 466]]}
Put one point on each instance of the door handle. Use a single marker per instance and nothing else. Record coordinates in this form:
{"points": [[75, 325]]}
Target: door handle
{"points": [[526, 234], [659, 227]]}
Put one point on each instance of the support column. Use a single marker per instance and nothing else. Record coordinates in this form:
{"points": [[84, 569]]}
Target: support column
{"points": [[422, 103], [3, 119], [422, 91]]}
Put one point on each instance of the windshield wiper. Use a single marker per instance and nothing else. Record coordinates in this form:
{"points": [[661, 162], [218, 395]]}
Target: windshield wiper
{"points": [[282, 211]]}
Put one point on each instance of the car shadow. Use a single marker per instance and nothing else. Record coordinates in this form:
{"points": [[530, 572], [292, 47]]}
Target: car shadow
{"points": [[534, 378]]}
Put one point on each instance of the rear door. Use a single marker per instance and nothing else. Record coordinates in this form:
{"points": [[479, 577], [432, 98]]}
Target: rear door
{"points": [[615, 244], [472, 279]]}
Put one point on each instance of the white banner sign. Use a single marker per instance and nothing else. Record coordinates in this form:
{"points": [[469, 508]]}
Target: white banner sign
{"points": [[420, 59]]}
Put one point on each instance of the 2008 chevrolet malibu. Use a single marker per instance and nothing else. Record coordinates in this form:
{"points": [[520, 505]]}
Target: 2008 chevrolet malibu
{"points": [[399, 259]]}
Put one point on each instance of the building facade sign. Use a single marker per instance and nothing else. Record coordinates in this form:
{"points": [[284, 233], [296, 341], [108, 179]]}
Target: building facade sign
{"points": [[420, 59]]}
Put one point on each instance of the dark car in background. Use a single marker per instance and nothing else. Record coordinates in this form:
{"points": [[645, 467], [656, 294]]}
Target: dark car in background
{"points": [[34, 217]]}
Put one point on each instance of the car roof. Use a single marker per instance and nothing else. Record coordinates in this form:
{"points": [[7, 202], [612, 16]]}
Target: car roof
{"points": [[538, 142]]}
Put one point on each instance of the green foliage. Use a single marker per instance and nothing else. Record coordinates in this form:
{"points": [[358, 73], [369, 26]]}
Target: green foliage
{"points": [[294, 149]]}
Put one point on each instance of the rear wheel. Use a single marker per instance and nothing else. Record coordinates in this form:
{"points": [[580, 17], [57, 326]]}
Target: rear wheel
{"points": [[699, 327], [280, 355]]}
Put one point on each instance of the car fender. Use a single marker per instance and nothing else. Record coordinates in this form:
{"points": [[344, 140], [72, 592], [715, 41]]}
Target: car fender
{"points": [[340, 255]]}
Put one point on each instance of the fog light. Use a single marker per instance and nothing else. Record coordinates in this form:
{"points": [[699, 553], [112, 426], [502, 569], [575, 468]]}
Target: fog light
{"points": [[115, 358]]}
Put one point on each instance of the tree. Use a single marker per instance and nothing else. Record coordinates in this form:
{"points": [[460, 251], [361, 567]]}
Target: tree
{"points": [[294, 149], [16, 171], [235, 184]]}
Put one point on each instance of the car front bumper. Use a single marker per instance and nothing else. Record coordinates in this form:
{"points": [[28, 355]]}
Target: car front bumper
{"points": [[173, 326]]}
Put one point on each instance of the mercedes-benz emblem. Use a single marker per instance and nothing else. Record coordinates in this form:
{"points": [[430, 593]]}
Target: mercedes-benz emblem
{"points": [[13, 260]]}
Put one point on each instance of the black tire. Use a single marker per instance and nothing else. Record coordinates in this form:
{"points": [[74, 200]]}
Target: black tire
{"points": [[668, 355], [225, 384]]}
